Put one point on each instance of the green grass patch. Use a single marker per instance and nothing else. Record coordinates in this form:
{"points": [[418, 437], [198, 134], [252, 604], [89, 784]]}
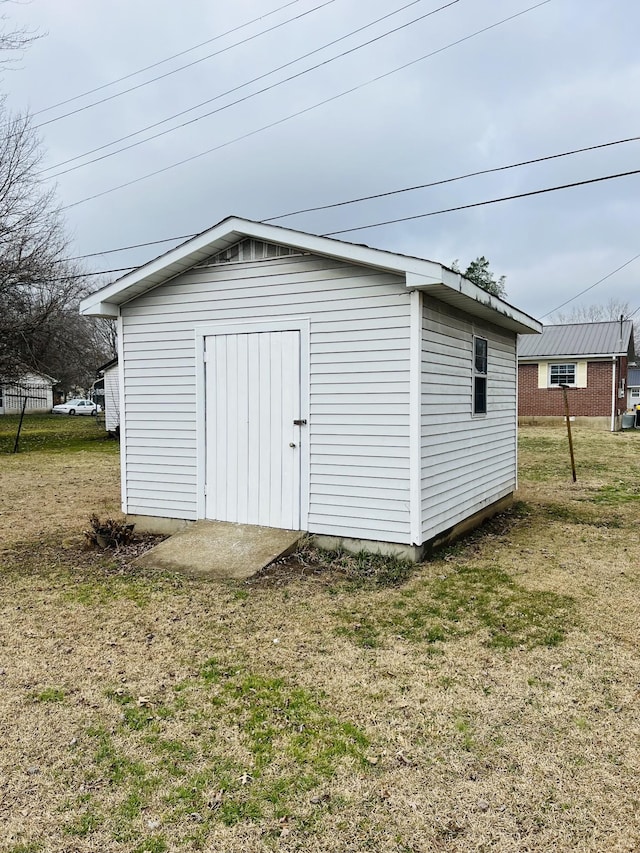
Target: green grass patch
{"points": [[155, 844], [230, 746], [55, 433], [50, 694], [100, 590], [618, 493], [583, 515], [468, 598], [84, 824]]}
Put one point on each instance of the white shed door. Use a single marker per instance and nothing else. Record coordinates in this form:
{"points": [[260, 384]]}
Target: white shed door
{"points": [[252, 386]]}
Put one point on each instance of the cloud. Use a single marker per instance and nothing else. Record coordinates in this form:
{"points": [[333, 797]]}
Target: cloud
{"points": [[559, 77]]}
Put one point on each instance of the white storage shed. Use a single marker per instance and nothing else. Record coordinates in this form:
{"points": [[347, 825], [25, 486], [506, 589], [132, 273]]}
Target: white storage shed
{"points": [[35, 388], [277, 378]]}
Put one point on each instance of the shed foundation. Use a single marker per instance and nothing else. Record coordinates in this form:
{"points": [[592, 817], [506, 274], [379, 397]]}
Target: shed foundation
{"points": [[413, 553]]}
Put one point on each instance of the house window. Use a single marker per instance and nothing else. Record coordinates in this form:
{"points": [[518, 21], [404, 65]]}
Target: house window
{"points": [[634, 393], [480, 363], [562, 374]]}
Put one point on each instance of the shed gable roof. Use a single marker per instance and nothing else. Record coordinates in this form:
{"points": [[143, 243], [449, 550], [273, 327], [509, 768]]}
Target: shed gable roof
{"points": [[420, 274], [579, 339]]}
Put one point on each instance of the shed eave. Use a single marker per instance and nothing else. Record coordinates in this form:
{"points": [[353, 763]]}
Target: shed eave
{"points": [[230, 231], [419, 273], [460, 293]]}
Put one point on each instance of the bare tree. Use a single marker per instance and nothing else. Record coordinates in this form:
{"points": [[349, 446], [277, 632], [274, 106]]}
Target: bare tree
{"points": [[106, 336], [613, 309], [40, 328], [35, 280], [13, 42]]}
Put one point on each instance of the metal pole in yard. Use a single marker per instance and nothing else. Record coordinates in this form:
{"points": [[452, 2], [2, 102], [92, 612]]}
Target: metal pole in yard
{"points": [[566, 416], [17, 441]]}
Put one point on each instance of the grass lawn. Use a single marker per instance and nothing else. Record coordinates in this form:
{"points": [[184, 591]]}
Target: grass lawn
{"points": [[486, 700]]}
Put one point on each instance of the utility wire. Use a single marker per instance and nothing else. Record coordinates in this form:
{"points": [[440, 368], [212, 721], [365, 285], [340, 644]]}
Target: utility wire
{"points": [[86, 274], [125, 248], [183, 67], [381, 195], [457, 178], [306, 109], [591, 286], [452, 210], [242, 86], [163, 61], [483, 203]]}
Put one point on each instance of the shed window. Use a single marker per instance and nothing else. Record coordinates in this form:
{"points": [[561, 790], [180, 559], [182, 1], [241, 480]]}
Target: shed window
{"points": [[480, 368], [562, 374]]}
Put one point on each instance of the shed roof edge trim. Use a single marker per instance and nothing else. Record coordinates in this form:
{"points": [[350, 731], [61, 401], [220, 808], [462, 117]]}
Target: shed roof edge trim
{"points": [[419, 272]]}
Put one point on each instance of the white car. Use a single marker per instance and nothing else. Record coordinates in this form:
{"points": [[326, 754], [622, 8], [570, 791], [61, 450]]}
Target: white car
{"points": [[80, 406]]}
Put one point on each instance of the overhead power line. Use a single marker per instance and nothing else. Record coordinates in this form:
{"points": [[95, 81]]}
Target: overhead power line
{"points": [[306, 109], [483, 203], [242, 86], [591, 286], [457, 178], [183, 67], [374, 196], [163, 61], [87, 274], [125, 248], [451, 210]]}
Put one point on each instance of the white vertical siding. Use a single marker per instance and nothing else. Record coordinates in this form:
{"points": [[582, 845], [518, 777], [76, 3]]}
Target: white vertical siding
{"points": [[359, 386], [253, 398], [467, 462], [112, 397]]}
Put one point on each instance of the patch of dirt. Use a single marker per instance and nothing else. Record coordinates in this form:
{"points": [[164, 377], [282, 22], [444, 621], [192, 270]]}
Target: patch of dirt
{"points": [[295, 568], [123, 555]]}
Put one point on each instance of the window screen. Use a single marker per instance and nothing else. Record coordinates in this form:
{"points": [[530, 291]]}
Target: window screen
{"points": [[562, 374]]}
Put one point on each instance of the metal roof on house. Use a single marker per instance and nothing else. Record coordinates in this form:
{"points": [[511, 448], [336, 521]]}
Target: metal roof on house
{"points": [[633, 377], [578, 339]]}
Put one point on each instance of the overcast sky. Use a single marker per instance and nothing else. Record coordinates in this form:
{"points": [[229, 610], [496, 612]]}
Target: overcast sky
{"points": [[562, 76]]}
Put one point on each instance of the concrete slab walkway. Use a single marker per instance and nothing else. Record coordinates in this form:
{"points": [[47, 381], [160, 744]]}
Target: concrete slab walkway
{"points": [[217, 549]]}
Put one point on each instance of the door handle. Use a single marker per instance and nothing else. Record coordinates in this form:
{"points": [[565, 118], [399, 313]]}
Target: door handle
{"points": [[300, 422], [291, 444]]}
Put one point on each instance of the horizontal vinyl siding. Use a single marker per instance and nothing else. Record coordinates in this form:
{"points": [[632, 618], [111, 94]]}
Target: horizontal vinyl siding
{"points": [[359, 386], [468, 462]]}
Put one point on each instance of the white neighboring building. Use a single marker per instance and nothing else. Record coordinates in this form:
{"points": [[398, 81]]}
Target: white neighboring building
{"points": [[36, 387], [277, 378], [106, 391], [633, 388]]}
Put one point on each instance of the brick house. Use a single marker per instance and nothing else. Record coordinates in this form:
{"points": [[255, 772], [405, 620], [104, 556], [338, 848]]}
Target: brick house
{"points": [[591, 358]]}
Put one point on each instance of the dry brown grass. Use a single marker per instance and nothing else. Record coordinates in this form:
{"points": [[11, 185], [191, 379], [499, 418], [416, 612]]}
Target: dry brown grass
{"points": [[489, 701]]}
